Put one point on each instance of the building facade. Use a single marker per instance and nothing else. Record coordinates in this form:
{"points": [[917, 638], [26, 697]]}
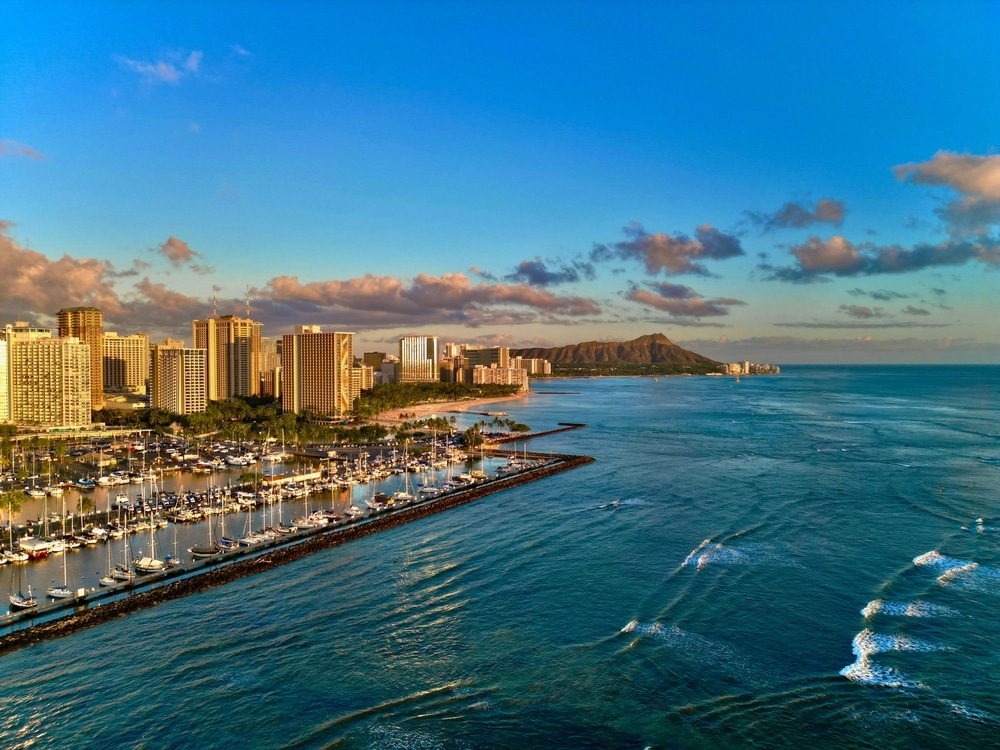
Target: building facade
{"points": [[232, 355], [126, 363], [316, 371], [418, 360], [178, 379], [270, 367], [47, 379], [87, 325]]}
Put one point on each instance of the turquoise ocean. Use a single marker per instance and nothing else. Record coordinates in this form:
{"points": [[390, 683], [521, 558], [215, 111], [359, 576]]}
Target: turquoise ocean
{"points": [[803, 560]]}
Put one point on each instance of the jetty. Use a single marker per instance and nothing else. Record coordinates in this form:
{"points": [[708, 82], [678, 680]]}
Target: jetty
{"points": [[90, 607]]}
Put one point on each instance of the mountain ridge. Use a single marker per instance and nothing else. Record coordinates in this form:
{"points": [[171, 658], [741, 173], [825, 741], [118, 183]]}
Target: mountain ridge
{"points": [[650, 349]]}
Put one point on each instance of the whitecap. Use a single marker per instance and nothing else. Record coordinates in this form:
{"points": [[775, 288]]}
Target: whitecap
{"points": [[972, 577], [935, 559], [692, 558], [916, 608], [867, 643]]}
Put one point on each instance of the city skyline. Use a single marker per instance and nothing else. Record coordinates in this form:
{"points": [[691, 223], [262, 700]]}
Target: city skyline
{"points": [[780, 182]]}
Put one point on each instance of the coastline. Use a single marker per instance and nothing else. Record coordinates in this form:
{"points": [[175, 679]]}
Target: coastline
{"points": [[436, 408]]}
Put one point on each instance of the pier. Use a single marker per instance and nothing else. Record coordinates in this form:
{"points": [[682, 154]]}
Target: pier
{"points": [[93, 607]]}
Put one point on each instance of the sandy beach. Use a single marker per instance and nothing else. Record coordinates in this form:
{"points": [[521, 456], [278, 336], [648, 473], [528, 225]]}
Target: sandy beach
{"points": [[442, 409]]}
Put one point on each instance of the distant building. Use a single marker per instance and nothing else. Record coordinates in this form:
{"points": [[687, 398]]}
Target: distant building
{"points": [[418, 359], [362, 379], [500, 376], [232, 355], [126, 363], [87, 325], [316, 371], [178, 378], [374, 360], [270, 367], [533, 366], [389, 371], [46, 380]]}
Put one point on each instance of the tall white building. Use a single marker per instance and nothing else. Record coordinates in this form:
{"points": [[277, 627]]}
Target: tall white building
{"points": [[47, 380], [418, 360]]}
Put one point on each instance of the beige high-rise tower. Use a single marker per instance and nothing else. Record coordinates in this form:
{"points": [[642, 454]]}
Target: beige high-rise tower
{"points": [[87, 325], [126, 363], [177, 378], [232, 355], [316, 371]]}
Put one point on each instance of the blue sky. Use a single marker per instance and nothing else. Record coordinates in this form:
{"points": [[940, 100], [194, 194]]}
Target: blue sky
{"points": [[780, 182]]}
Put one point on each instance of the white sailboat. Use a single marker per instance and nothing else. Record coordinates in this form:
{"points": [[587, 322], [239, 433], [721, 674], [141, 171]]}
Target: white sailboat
{"points": [[60, 592], [150, 563], [19, 600]]}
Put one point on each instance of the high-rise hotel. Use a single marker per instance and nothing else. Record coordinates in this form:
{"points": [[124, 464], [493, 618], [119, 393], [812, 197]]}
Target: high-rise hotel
{"points": [[178, 378], [126, 363], [316, 371], [87, 325], [46, 381], [232, 355]]}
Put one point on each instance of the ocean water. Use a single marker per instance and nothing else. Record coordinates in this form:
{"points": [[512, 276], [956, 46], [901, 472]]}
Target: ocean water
{"points": [[811, 559]]}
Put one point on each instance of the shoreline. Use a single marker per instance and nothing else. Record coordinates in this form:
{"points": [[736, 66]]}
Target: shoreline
{"points": [[421, 411]]}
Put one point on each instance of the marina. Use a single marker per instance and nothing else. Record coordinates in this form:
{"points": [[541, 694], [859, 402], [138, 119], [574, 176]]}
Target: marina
{"points": [[265, 542]]}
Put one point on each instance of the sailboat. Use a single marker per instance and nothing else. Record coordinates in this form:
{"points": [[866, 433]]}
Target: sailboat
{"points": [[123, 570], [224, 543], [60, 592], [150, 564], [210, 549], [19, 600], [109, 579]]}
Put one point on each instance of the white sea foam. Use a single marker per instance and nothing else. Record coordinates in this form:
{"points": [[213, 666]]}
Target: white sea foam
{"points": [[972, 577], [692, 558], [969, 712], [935, 559], [742, 553], [916, 608], [867, 644]]}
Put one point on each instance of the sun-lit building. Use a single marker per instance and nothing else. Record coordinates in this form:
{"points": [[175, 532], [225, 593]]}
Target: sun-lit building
{"points": [[316, 371], [232, 355], [418, 360], [87, 325], [47, 380], [178, 378]]}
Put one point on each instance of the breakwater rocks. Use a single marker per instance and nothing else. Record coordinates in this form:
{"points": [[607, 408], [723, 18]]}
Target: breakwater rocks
{"points": [[563, 427], [90, 610]]}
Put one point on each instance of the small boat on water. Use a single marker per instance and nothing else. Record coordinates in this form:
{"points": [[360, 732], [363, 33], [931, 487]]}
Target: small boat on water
{"points": [[20, 601], [148, 565]]}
